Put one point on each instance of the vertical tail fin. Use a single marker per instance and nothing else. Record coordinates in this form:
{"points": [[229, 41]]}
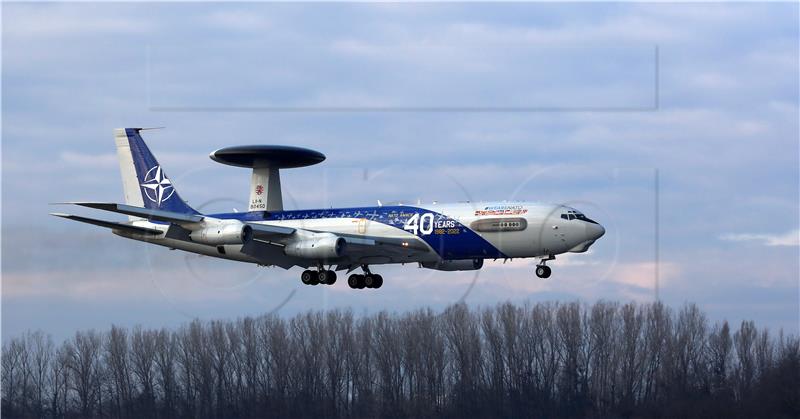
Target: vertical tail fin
{"points": [[144, 182]]}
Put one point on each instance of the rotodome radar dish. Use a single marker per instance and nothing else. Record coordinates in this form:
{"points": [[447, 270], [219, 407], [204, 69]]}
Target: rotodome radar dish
{"points": [[272, 156]]}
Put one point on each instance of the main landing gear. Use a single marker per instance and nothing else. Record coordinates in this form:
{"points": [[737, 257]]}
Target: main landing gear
{"points": [[542, 270], [368, 280], [328, 277], [321, 276]]}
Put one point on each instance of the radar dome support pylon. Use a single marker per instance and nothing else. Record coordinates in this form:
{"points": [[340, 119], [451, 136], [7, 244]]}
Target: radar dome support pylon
{"points": [[266, 162]]}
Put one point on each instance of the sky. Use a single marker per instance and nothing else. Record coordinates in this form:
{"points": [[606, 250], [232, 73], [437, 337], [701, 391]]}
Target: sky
{"points": [[607, 107]]}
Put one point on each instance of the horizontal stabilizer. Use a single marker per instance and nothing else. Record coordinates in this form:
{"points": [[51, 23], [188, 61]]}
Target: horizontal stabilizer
{"points": [[109, 224], [151, 214]]}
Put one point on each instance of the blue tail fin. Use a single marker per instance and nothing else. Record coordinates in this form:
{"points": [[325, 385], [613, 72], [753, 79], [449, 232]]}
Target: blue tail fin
{"points": [[143, 178]]}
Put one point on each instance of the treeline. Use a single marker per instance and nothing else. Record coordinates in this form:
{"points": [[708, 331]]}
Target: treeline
{"points": [[538, 360]]}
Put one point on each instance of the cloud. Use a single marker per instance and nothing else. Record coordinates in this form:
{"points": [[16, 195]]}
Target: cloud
{"points": [[104, 160], [727, 127], [174, 283], [47, 21], [790, 238], [237, 20], [642, 274]]}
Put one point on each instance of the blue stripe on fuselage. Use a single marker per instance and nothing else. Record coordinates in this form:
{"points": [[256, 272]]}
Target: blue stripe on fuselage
{"points": [[456, 242]]}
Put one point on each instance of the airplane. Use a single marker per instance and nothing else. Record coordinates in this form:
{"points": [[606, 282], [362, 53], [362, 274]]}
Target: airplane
{"points": [[445, 237]]}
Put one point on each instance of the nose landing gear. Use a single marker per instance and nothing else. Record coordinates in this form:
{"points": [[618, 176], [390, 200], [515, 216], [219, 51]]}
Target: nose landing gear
{"points": [[542, 270]]}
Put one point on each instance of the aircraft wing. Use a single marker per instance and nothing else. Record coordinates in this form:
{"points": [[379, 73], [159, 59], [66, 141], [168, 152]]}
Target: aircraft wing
{"points": [[281, 234], [366, 249], [110, 224], [150, 214], [270, 239], [387, 242]]}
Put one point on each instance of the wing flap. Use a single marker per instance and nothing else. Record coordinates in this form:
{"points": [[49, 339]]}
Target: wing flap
{"points": [[267, 232], [110, 224], [271, 254], [399, 243]]}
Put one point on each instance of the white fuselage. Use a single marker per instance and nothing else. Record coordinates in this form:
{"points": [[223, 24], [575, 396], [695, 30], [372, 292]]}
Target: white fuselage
{"points": [[448, 231]]}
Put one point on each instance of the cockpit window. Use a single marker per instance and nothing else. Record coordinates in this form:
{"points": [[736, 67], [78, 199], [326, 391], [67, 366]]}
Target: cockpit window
{"points": [[585, 218], [571, 215]]}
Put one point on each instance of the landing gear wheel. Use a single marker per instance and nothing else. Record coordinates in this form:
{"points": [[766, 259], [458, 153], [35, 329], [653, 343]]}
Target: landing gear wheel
{"points": [[326, 276], [369, 281], [330, 277], [356, 281], [309, 277], [378, 281], [543, 271]]}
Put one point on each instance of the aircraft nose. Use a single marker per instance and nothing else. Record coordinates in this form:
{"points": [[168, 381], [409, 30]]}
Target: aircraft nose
{"points": [[594, 231]]}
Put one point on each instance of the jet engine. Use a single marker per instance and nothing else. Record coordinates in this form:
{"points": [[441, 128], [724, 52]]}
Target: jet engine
{"points": [[229, 232], [317, 246], [455, 265]]}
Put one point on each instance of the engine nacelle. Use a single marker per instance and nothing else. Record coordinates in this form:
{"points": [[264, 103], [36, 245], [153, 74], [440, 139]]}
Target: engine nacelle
{"points": [[318, 246], [233, 232], [455, 265]]}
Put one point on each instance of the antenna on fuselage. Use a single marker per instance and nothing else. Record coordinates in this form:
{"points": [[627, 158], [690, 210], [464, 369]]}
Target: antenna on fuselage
{"points": [[266, 162]]}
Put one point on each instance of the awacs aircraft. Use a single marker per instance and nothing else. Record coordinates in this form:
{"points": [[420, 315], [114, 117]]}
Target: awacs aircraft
{"points": [[446, 237]]}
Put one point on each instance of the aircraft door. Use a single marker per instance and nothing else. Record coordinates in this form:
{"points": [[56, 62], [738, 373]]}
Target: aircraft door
{"points": [[362, 226]]}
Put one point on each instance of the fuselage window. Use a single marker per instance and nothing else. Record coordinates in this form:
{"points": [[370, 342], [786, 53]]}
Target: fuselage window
{"points": [[499, 224]]}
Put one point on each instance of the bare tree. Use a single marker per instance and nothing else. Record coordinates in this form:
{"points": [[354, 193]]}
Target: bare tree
{"points": [[86, 370], [143, 357], [339, 338], [603, 358], [42, 349], [165, 365], [464, 344], [632, 355], [657, 337], [12, 373], [254, 373], [744, 341], [720, 346], [117, 360], [572, 388], [536, 360], [280, 361]]}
